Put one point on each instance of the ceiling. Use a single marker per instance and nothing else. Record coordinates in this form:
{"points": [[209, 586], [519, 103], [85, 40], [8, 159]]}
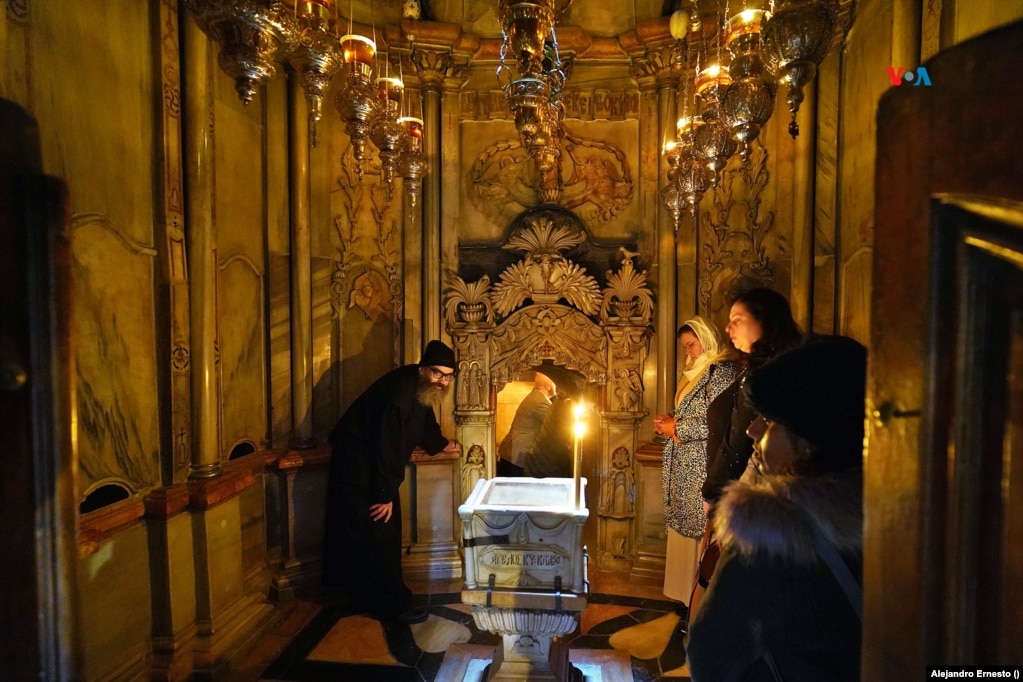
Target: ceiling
{"points": [[598, 18]]}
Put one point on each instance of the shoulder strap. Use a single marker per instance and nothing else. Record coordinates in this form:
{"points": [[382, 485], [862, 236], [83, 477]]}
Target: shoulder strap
{"points": [[853, 592]]}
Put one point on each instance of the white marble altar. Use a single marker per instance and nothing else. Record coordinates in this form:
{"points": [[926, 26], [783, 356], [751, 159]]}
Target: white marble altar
{"points": [[525, 568]]}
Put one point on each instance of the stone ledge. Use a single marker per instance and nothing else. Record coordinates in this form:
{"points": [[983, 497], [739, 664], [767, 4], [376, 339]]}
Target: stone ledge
{"points": [[101, 524]]}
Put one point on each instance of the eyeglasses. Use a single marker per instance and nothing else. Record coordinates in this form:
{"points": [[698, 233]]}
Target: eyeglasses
{"points": [[439, 375]]}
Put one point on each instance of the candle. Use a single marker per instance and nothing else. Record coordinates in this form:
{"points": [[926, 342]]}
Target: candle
{"points": [[414, 127], [313, 9], [389, 92], [712, 76], [746, 22], [358, 54], [578, 431]]}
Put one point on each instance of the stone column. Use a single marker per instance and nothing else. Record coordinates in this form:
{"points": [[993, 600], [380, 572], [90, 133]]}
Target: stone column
{"points": [[430, 66], [301, 277], [676, 293], [202, 254], [669, 283], [803, 227]]}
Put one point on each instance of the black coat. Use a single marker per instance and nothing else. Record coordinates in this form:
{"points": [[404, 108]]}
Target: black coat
{"points": [[373, 441], [772, 592], [729, 415]]}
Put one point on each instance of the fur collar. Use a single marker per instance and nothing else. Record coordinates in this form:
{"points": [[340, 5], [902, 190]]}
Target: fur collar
{"points": [[770, 515]]}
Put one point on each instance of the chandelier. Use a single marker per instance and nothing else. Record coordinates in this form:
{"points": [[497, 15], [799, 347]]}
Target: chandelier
{"points": [[756, 51], [255, 35], [533, 90]]}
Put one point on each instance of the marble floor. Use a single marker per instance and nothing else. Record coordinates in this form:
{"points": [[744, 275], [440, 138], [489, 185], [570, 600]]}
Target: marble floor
{"points": [[331, 642]]}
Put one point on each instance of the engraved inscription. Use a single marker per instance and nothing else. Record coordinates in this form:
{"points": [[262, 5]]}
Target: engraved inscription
{"points": [[512, 559]]}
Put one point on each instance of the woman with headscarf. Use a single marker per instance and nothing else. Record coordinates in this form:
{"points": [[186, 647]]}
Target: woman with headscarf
{"points": [[785, 599], [710, 368]]}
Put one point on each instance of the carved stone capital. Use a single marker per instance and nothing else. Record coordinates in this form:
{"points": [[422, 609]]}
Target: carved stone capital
{"points": [[433, 67], [660, 64]]}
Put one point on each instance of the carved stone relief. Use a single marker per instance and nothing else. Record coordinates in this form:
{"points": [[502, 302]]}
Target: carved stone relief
{"points": [[733, 260], [596, 179], [474, 468], [366, 290]]}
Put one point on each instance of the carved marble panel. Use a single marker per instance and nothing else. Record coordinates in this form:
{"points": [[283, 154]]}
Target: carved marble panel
{"points": [[242, 354], [113, 312]]}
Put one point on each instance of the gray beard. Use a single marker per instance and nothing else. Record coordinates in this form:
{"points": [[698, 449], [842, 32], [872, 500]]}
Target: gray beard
{"points": [[426, 395]]}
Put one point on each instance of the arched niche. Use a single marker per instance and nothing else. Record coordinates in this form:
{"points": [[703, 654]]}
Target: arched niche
{"points": [[545, 306]]}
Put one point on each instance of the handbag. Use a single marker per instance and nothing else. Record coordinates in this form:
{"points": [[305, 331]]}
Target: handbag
{"points": [[710, 552]]}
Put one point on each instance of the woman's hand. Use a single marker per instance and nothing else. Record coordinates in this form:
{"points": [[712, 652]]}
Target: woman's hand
{"points": [[381, 512], [664, 424], [452, 446]]}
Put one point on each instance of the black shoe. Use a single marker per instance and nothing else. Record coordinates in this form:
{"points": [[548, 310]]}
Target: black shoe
{"points": [[414, 614], [401, 643]]}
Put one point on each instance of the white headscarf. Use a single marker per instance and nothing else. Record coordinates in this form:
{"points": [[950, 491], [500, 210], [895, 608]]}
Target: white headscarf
{"points": [[710, 339]]}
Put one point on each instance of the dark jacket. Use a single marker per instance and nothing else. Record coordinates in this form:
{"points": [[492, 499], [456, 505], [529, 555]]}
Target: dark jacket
{"points": [[772, 592], [373, 441], [727, 463], [551, 454]]}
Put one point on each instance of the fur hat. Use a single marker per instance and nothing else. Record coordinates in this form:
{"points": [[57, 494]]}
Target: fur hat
{"points": [[817, 391], [437, 354]]}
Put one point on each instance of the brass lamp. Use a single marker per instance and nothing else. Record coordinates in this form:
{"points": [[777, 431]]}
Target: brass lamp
{"points": [[356, 101], [533, 95], [252, 35], [318, 56], [795, 42], [386, 132], [748, 102], [412, 162]]}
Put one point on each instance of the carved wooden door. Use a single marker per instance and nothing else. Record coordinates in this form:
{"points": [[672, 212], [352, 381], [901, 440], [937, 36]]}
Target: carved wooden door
{"points": [[943, 572]]}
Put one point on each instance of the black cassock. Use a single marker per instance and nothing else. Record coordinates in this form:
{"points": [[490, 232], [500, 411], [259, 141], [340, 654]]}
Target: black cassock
{"points": [[370, 447]]}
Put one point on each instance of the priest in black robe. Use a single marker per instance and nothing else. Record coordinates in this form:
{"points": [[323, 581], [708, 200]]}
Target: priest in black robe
{"points": [[370, 447]]}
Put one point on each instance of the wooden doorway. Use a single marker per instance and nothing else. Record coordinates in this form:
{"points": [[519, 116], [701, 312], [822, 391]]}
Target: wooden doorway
{"points": [[943, 571]]}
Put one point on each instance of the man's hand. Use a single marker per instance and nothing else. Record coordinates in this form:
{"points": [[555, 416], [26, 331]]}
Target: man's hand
{"points": [[452, 446], [381, 512]]}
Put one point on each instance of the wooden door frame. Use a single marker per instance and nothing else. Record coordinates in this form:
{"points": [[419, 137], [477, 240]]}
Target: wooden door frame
{"points": [[959, 137]]}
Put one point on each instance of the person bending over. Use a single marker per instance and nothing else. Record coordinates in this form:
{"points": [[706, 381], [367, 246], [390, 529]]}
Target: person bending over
{"points": [[370, 446]]}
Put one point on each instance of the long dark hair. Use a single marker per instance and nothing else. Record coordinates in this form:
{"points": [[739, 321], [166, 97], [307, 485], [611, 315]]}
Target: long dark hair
{"points": [[772, 311]]}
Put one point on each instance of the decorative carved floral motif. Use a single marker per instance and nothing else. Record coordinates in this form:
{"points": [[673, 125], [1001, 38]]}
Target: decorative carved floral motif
{"points": [[549, 332], [627, 296], [17, 11], [734, 258], [545, 276], [467, 302], [387, 293]]}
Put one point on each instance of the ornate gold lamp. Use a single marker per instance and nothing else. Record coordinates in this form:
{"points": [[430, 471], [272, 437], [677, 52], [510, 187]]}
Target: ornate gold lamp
{"points": [[317, 56], [671, 196], [386, 133], [252, 35], [748, 102], [356, 101], [795, 42], [713, 142], [534, 95], [412, 162]]}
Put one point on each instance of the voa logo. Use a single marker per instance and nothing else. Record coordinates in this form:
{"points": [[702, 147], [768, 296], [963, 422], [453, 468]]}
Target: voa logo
{"points": [[897, 74]]}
